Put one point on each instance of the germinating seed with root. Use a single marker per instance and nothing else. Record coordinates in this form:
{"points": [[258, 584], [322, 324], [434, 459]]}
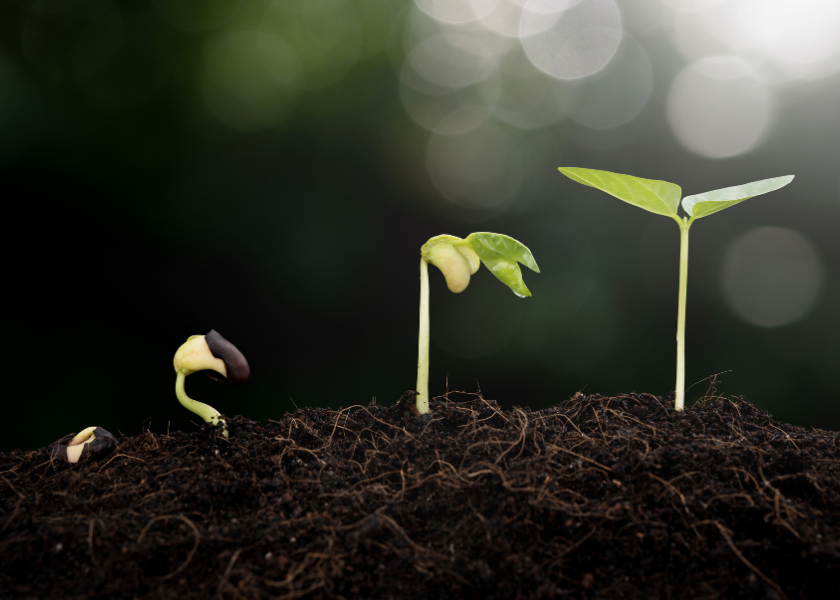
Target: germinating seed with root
{"points": [[214, 354], [92, 442]]}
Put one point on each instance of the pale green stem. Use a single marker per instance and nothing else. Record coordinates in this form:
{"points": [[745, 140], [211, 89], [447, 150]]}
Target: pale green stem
{"points": [[679, 402], [423, 342], [205, 411]]}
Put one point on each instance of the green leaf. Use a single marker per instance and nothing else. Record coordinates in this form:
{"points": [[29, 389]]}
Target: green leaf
{"points": [[500, 254], [658, 197], [707, 203], [506, 270], [506, 246]]}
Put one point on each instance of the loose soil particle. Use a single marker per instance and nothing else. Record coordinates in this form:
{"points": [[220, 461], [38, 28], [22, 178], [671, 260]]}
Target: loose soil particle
{"points": [[594, 498]]}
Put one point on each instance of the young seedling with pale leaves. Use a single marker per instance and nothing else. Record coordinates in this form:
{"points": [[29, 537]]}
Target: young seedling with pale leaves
{"points": [[459, 259], [663, 198]]}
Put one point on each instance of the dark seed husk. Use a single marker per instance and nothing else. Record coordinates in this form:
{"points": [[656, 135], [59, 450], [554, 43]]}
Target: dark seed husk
{"points": [[237, 367], [103, 442]]}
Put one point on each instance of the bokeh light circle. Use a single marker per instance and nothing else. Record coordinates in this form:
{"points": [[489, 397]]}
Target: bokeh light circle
{"points": [[692, 6], [718, 107], [452, 61], [504, 18], [449, 84], [772, 276], [785, 41], [616, 95], [456, 11], [525, 100], [579, 41]]}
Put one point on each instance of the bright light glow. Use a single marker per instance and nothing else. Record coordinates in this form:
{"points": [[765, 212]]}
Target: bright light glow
{"points": [[718, 107], [693, 6], [456, 11], [580, 41], [772, 276], [795, 36], [504, 18], [786, 41], [452, 61], [449, 84], [482, 168], [616, 95]]}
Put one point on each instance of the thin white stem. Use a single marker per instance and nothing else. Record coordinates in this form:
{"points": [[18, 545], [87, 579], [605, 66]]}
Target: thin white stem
{"points": [[423, 342], [679, 402], [205, 411]]}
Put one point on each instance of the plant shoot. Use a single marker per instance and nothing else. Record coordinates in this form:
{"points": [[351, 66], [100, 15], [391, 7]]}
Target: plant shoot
{"points": [[663, 198], [458, 259], [214, 354]]}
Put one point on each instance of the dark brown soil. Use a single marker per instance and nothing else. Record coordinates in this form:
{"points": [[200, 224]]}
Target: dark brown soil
{"points": [[594, 498]]}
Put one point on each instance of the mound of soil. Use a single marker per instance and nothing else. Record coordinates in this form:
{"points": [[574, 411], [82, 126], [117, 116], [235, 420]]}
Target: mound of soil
{"points": [[593, 498]]}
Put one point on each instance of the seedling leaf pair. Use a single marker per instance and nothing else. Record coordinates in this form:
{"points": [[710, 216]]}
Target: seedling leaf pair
{"points": [[501, 254], [458, 259], [663, 198]]}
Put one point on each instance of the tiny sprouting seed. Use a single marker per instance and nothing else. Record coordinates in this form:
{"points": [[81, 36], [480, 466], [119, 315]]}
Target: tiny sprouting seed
{"points": [[663, 198], [89, 443], [214, 354], [458, 259]]}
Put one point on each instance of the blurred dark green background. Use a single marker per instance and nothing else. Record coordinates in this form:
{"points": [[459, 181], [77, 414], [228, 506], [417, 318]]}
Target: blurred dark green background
{"points": [[270, 169]]}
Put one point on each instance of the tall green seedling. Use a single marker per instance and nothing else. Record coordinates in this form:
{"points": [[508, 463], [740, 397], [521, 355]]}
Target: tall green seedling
{"points": [[459, 259], [663, 198]]}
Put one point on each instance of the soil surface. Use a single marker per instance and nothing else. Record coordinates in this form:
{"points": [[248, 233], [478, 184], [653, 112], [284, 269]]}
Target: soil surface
{"points": [[594, 498]]}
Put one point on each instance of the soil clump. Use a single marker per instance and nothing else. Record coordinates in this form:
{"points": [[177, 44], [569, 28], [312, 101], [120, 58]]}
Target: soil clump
{"points": [[596, 497]]}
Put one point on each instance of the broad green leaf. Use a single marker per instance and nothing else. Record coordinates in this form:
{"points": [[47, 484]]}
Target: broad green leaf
{"points": [[658, 197], [505, 246], [505, 269], [707, 203]]}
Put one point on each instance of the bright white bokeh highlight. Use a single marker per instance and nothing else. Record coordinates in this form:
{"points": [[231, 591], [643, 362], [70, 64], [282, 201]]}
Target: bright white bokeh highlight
{"points": [[718, 107], [785, 41], [692, 6], [575, 42], [616, 96], [449, 84], [452, 61], [456, 11], [772, 276]]}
